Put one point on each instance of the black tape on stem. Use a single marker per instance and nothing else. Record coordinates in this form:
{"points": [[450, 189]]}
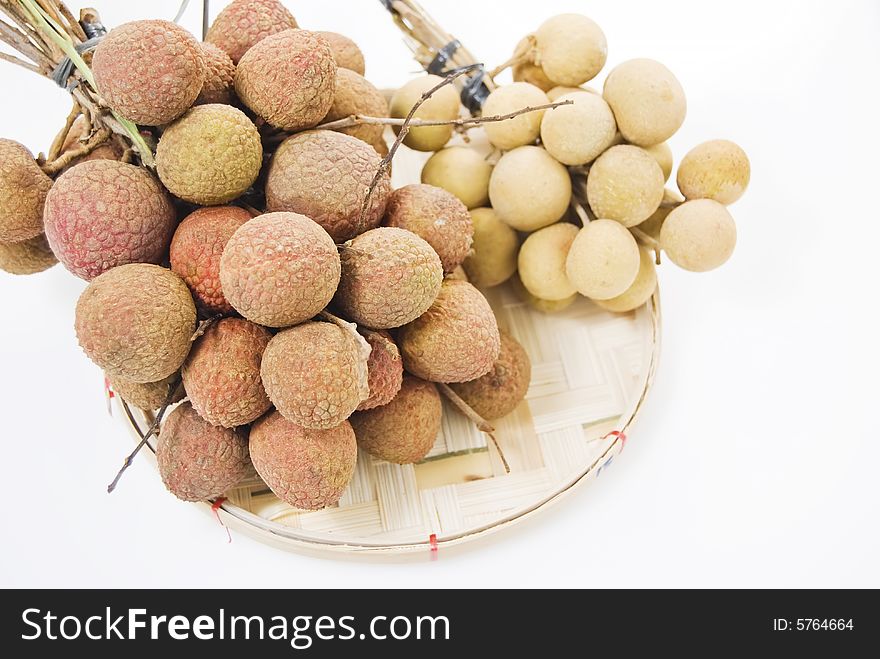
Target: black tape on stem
{"points": [[95, 32]]}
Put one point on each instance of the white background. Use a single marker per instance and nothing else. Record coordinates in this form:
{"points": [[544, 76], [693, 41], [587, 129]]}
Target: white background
{"points": [[755, 463]]}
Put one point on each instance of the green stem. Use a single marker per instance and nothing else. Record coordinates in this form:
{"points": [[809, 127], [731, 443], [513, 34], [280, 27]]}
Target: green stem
{"points": [[56, 33]]}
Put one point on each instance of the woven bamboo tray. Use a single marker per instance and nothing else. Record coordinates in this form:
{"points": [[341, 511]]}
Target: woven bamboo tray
{"points": [[591, 372]]}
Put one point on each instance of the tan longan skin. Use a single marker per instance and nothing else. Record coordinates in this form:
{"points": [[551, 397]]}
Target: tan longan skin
{"points": [[528, 71], [717, 170], [461, 171], [521, 130], [542, 262], [641, 290], [544, 306], [443, 105], [662, 153], [571, 49], [699, 235], [653, 224], [603, 260], [647, 99], [494, 251], [561, 90], [578, 134], [625, 184], [529, 189]]}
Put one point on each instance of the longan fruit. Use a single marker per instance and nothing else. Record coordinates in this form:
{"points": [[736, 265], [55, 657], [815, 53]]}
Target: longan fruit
{"points": [[571, 49], [443, 105], [625, 184], [716, 170], [542, 262], [641, 289], [544, 306], [529, 189], [521, 130], [653, 224], [494, 253], [647, 99], [603, 260], [699, 235], [529, 71], [461, 171], [578, 134], [662, 153]]}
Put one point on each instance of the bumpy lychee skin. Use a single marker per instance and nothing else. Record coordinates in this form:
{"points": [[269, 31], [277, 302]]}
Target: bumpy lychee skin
{"points": [[456, 340], [325, 175], [404, 430], [437, 216], [196, 249], [288, 79], [306, 468], [222, 373], [136, 322], [149, 395], [198, 461], [210, 156], [244, 23], [498, 393], [390, 278], [219, 76], [385, 370], [23, 189], [27, 257], [316, 374], [279, 269], [345, 52], [357, 95], [102, 214], [150, 72]]}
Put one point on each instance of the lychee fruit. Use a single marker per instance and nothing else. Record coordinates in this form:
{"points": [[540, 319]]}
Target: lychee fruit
{"points": [[279, 269], [136, 322], [148, 396], [196, 249], [456, 340], [198, 461], [210, 156], [357, 95], [288, 79], [150, 72], [244, 23], [345, 52], [437, 216], [404, 430], [23, 190], [219, 77], [27, 257], [498, 393], [390, 278], [316, 374], [325, 175], [384, 367], [221, 375], [308, 469], [102, 213]]}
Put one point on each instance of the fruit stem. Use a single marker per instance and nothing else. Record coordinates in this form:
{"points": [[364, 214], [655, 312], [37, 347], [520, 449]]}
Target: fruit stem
{"points": [[523, 55], [61, 137], [481, 423], [644, 239], [153, 429], [53, 167]]}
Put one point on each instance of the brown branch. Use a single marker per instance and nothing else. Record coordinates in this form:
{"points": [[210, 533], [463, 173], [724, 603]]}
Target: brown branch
{"points": [[404, 131], [361, 119], [481, 423], [61, 137], [203, 327], [62, 161], [20, 62], [145, 436]]}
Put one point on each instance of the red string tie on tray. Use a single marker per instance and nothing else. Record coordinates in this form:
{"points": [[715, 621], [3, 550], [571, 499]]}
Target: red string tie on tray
{"points": [[434, 546], [108, 392], [215, 508], [620, 435]]}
